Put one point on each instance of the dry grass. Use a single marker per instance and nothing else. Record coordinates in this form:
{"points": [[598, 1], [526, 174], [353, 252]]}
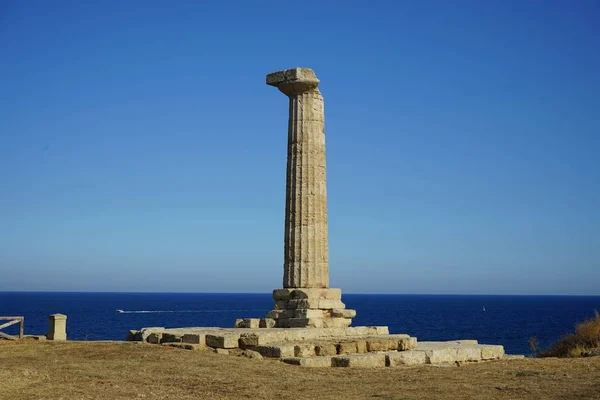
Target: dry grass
{"points": [[585, 339], [92, 370]]}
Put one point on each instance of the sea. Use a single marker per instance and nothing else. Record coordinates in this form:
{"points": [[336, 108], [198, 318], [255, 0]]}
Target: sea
{"points": [[507, 320]]}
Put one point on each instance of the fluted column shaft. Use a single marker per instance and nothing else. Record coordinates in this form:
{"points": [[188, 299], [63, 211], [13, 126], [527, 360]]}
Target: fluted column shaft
{"points": [[306, 247]]}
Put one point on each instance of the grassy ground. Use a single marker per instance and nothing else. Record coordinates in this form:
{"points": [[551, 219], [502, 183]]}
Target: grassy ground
{"points": [[88, 370]]}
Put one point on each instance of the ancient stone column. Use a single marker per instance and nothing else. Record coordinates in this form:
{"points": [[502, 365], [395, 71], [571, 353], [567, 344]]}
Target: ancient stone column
{"points": [[306, 300], [305, 249]]}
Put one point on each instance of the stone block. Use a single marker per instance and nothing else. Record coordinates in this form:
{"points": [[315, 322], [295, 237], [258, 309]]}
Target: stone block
{"points": [[281, 305], [317, 293], [282, 294], [374, 360], [331, 304], [223, 341], [194, 338], [411, 357], [304, 350], [305, 75], [171, 338], [305, 322], [309, 313], [325, 349], [347, 348], [378, 344], [303, 303], [145, 332], [467, 341], [154, 338], [57, 327], [276, 314], [442, 355], [252, 323], [281, 350], [343, 313], [282, 323], [312, 362], [381, 330], [336, 322], [361, 346], [239, 323], [223, 352], [491, 352], [266, 323], [468, 353], [407, 343]]}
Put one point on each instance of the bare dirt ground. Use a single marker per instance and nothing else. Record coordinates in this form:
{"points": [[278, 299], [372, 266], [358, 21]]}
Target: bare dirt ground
{"points": [[93, 370]]}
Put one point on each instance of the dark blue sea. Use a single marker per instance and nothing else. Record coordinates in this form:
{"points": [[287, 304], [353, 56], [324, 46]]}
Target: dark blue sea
{"points": [[506, 320]]}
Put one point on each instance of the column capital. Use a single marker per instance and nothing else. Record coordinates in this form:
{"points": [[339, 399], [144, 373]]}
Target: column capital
{"points": [[293, 81]]}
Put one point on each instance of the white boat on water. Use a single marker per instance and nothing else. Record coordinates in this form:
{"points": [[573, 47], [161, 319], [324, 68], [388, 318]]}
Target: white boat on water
{"points": [[119, 310]]}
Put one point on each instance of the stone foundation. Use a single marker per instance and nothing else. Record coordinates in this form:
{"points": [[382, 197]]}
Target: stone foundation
{"points": [[310, 308], [353, 347]]}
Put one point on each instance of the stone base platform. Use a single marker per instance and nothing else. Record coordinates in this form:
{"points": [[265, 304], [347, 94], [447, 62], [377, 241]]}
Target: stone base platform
{"points": [[360, 347]]}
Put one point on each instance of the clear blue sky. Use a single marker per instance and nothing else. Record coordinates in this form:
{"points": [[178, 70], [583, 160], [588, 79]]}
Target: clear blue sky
{"points": [[140, 149]]}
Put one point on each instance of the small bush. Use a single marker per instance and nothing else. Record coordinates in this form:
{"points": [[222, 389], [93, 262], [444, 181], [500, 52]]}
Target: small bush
{"points": [[585, 339]]}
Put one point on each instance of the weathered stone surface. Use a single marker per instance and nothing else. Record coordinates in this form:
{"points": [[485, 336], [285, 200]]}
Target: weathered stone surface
{"points": [[373, 360], [410, 357], [381, 330], [304, 350], [468, 353], [266, 323], [305, 322], [171, 338], [347, 348], [282, 294], [361, 346], [195, 338], [407, 343], [223, 352], [331, 304], [247, 323], [306, 248], [336, 322], [277, 314], [57, 329], [326, 349], [491, 352], [309, 313], [154, 338], [223, 341], [453, 351], [466, 341], [277, 350], [313, 362], [343, 313], [145, 332], [379, 344], [305, 76], [317, 293]]}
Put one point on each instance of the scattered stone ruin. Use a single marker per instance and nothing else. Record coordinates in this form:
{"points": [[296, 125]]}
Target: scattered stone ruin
{"points": [[309, 325]]}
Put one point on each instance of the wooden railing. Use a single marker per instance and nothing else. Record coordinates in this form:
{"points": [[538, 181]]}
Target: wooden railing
{"points": [[12, 321]]}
